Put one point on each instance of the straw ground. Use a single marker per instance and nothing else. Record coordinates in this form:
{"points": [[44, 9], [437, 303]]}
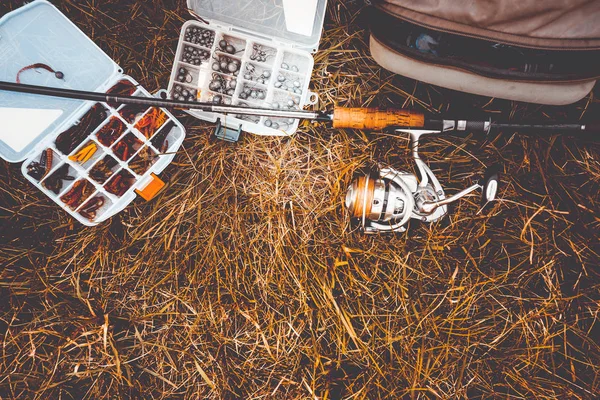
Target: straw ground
{"points": [[245, 279]]}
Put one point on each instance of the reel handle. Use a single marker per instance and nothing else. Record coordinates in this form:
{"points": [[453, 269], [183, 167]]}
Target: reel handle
{"points": [[489, 189], [490, 183]]}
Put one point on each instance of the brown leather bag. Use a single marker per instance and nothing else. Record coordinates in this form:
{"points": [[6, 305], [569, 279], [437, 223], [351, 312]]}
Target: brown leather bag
{"points": [[545, 52]]}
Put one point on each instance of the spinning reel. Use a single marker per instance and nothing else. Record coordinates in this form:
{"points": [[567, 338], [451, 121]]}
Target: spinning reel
{"points": [[388, 200]]}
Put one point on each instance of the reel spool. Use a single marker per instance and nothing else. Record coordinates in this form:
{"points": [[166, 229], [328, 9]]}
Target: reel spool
{"points": [[385, 201]]}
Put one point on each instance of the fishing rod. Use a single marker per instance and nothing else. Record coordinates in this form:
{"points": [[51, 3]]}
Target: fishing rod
{"points": [[339, 117], [385, 199]]}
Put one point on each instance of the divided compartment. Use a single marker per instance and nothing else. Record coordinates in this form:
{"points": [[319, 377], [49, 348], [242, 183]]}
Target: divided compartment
{"points": [[199, 36], [257, 73], [78, 193], [295, 63], [86, 154], [120, 183], [261, 53], [110, 132], [143, 160], [152, 120], [70, 139], [166, 137], [230, 45], [290, 82], [194, 55], [184, 93], [253, 92], [187, 74], [95, 208], [226, 63], [222, 84], [43, 164], [126, 148], [60, 178], [104, 169], [285, 101]]}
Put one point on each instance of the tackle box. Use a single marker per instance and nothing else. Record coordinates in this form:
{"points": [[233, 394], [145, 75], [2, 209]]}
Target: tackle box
{"points": [[249, 53], [92, 159]]}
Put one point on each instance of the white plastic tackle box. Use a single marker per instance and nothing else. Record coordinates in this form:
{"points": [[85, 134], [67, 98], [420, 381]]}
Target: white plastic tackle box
{"points": [[92, 159], [255, 53]]}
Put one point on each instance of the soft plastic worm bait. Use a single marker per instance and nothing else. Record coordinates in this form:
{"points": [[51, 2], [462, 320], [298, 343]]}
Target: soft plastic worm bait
{"points": [[57, 74]]}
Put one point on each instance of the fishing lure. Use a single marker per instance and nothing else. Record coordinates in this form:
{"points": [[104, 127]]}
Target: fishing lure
{"points": [[89, 209], [84, 155], [150, 122], [57, 74]]}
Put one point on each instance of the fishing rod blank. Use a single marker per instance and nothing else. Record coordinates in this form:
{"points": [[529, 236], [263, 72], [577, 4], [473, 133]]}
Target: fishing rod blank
{"points": [[354, 118]]}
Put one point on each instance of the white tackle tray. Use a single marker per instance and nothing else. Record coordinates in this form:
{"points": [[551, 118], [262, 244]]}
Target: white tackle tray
{"points": [[39, 33], [278, 80]]}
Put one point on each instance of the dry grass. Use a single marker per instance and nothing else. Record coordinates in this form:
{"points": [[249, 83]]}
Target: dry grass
{"points": [[245, 280]]}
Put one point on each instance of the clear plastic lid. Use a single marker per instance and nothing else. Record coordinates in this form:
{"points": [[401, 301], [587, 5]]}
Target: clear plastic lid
{"points": [[40, 33], [297, 22]]}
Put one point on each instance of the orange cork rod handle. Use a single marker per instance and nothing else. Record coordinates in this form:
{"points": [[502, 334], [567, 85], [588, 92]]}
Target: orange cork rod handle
{"points": [[375, 119]]}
